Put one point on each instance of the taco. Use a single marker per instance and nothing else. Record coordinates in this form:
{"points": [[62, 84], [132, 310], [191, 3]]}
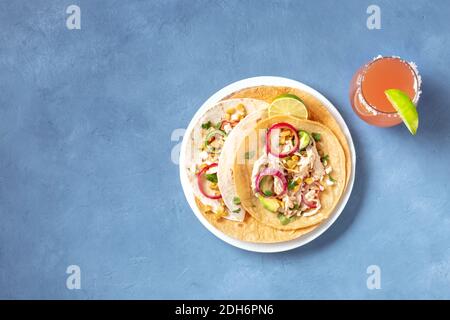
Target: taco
{"points": [[205, 146], [296, 176]]}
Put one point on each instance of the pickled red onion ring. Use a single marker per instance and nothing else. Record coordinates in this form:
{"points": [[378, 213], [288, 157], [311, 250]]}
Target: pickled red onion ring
{"points": [[201, 184], [282, 125], [309, 204], [274, 173]]}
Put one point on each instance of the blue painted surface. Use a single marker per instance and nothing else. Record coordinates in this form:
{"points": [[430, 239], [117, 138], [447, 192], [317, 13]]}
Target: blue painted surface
{"points": [[86, 177]]}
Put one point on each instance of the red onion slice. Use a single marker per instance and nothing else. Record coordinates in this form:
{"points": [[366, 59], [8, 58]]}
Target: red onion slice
{"points": [[282, 125], [309, 204], [275, 174], [201, 183]]}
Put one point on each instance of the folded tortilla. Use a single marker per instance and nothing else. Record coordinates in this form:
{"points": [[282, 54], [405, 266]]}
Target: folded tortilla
{"points": [[255, 144], [214, 115]]}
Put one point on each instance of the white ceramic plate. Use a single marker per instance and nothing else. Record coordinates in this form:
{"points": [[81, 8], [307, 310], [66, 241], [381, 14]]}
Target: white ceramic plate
{"points": [[266, 247]]}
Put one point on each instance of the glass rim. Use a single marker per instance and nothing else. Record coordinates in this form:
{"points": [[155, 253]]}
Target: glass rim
{"points": [[366, 67]]}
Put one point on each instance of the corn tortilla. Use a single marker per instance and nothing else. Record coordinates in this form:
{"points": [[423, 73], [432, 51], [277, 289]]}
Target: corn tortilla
{"points": [[243, 173]]}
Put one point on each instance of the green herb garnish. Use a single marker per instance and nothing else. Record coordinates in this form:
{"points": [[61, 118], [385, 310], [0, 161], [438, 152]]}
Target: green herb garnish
{"points": [[316, 136], [218, 125], [296, 206], [292, 184], [237, 210], [211, 177], [331, 178], [237, 201], [268, 193], [206, 125], [324, 158]]}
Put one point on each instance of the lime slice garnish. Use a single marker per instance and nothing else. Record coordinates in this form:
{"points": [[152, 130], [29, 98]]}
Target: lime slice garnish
{"points": [[288, 104], [405, 108]]}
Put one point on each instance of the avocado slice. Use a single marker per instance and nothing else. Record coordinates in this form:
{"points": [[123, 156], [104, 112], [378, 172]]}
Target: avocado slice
{"points": [[305, 139], [285, 220], [269, 203], [266, 185]]}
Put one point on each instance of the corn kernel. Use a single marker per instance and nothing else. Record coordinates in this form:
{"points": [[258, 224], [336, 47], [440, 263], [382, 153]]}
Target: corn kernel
{"points": [[295, 158], [220, 212], [241, 108], [227, 116], [309, 180], [213, 186], [291, 164], [230, 110]]}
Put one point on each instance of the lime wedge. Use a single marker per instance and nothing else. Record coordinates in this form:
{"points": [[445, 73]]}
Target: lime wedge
{"points": [[288, 104], [405, 108]]}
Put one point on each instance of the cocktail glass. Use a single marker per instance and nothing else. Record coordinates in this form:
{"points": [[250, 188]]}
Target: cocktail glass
{"points": [[371, 80]]}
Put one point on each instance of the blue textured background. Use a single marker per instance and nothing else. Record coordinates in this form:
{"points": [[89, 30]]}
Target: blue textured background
{"points": [[86, 177]]}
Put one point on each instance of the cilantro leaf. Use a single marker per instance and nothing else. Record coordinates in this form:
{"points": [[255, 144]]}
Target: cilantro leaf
{"points": [[292, 184], [211, 177], [268, 193], [206, 125], [316, 136]]}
